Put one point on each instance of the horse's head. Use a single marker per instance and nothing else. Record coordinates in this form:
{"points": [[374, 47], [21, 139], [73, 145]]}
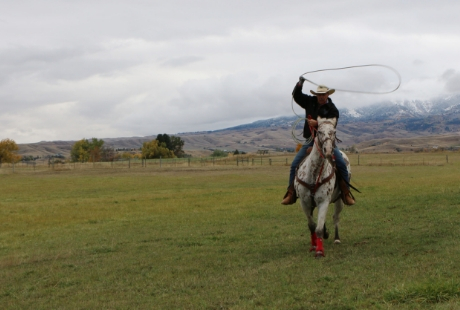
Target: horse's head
{"points": [[326, 136]]}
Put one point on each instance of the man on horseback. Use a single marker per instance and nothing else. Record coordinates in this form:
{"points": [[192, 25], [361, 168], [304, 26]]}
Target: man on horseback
{"points": [[318, 105]]}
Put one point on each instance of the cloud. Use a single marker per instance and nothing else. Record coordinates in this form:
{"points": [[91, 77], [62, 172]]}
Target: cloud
{"points": [[113, 68], [181, 61], [451, 78]]}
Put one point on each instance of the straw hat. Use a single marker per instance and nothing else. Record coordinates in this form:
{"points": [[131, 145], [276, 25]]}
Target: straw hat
{"points": [[323, 90]]}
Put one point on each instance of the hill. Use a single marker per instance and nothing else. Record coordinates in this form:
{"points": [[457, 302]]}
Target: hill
{"points": [[382, 127]]}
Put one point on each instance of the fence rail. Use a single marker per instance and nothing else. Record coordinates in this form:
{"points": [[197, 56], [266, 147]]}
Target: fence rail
{"points": [[405, 159]]}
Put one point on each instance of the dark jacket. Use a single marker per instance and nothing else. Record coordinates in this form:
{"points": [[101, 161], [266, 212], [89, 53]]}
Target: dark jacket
{"points": [[312, 108]]}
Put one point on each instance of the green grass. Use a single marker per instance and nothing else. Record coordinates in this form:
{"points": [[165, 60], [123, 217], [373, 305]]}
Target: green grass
{"points": [[218, 238]]}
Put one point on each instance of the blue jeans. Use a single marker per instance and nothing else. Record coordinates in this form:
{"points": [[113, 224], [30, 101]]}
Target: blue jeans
{"points": [[339, 161]]}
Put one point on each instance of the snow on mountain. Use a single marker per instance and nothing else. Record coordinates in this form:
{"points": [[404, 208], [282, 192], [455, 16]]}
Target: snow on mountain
{"points": [[408, 111], [404, 109], [352, 113]]}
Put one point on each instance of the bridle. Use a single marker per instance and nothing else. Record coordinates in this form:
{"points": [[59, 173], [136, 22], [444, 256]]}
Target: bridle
{"points": [[317, 143]]}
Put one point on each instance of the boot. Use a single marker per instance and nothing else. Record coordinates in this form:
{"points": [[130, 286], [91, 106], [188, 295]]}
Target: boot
{"points": [[347, 198], [290, 197]]}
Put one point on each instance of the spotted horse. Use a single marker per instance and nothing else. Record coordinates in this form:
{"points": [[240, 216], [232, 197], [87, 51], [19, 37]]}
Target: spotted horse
{"points": [[316, 185]]}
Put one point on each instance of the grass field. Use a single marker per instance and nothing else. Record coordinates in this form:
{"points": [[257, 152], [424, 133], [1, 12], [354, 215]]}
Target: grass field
{"points": [[217, 237]]}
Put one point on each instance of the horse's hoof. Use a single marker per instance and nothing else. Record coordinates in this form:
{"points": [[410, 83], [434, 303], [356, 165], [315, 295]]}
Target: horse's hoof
{"points": [[337, 241], [313, 248], [319, 254]]}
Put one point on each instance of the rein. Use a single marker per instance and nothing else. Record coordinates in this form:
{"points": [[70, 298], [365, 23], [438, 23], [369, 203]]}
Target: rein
{"points": [[314, 187]]}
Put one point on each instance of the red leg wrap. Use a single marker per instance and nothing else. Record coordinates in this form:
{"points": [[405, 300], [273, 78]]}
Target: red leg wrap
{"points": [[313, 242], [319, 247]]}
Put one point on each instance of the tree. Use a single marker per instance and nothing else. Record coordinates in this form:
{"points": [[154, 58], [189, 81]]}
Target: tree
{"points": [[80, 151], [8, 150], [85, 150], [164, 138], [95, 149], [155, 149], [107, 153], [126, 155], [172, 143], [176, 146]]}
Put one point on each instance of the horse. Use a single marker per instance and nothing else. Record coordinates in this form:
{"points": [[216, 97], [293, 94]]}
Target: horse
{"points": [[316, 185]]}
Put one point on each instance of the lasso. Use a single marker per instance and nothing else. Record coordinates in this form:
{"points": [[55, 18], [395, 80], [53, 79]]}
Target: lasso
{"points": [[301, 118]]}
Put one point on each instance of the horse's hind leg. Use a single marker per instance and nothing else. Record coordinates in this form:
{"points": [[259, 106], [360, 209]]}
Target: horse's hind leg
{"points": [[336, 217], [325, 232]]}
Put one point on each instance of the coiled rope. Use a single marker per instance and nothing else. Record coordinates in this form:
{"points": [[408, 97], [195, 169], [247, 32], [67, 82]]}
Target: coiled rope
{"points": [[301, 118]]}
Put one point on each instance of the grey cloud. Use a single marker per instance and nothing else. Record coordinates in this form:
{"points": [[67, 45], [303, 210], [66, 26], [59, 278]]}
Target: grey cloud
{"points": [[145, 66], [237, 97], [181, 61], [60, 63], [449, 73], [178, 20], [452, 80]]}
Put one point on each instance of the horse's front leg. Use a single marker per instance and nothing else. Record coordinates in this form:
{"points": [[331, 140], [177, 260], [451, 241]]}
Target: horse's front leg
{"points": [[320, 227], [308, 208]]}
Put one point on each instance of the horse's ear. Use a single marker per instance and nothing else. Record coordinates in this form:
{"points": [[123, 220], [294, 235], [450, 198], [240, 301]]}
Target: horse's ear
{"points": [[334, 120], [320, 119]]}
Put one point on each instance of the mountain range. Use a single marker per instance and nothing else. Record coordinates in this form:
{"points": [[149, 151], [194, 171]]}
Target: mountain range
{"points": [[381, 127]]}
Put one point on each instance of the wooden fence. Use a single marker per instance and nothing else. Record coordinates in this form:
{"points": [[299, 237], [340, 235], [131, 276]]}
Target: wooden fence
{"points": [[399, 159]]}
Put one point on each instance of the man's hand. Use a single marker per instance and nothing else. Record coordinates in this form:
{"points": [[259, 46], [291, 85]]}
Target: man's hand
{"points": [[312, 123], [301, 79]]}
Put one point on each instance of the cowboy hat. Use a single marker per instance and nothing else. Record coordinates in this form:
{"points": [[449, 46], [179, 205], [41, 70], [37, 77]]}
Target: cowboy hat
{"points": [[323, 90]]}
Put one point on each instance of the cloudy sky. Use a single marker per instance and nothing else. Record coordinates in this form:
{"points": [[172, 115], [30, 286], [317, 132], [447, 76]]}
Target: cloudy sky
{"points": [[79, 69]]}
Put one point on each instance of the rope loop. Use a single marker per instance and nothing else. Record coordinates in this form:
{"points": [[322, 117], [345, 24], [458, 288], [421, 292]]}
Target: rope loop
{"points": [[359, 91], [301, 118]]}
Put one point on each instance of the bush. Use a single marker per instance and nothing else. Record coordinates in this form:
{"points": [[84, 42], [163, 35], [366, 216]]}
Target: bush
{"points": [[219, 153]]}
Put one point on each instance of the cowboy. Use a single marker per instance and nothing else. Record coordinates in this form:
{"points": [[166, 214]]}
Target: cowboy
{"points": [[318, 105]]}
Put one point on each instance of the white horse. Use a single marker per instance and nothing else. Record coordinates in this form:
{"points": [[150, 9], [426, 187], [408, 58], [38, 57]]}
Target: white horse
{"points": [[315, 184]]}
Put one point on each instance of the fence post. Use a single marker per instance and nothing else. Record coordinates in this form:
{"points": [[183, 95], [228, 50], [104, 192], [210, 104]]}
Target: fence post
{"points": [[189, 161], [447, 159], [270, 161], [129, 163], [237, 161], [358, 160], [160, 161]]}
